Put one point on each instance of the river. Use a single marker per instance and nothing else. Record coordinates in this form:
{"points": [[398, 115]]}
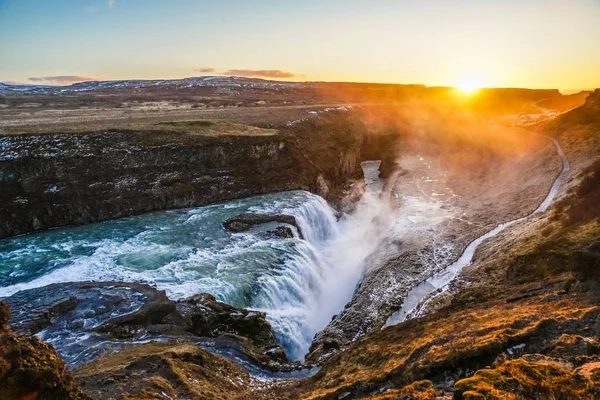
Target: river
{"points": [[414, 303], [299, 282]]}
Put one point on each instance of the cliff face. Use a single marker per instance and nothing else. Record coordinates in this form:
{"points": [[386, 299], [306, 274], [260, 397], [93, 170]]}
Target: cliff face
{"points": [[53, 180]]}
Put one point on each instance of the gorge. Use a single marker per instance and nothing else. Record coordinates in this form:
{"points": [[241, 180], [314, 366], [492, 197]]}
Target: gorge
{"points": [[355, 217]]}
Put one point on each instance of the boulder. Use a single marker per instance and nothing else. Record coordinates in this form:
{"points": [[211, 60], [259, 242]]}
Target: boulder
{"points": [[284, 232], [204, 316], [247, 221]]}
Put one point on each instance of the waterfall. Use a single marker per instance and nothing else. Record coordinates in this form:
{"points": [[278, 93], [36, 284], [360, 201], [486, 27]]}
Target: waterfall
{"points": [[299, 283], [321, 277], [292, 297], [316, 220]]}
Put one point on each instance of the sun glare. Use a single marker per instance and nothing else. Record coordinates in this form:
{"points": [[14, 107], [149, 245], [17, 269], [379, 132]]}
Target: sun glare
{"points": [[470, 84]]}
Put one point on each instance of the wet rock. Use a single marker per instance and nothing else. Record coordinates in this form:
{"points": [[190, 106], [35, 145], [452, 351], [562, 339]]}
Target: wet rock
{"points": [[31, 369], [39, 317], [283, 232], [247, 221], [157, 306], [84, 320], [103, 317], [37, 309], [205, 317]]}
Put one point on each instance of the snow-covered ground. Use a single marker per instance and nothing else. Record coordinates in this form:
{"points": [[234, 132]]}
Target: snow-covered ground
{"points": [[203, 81]]}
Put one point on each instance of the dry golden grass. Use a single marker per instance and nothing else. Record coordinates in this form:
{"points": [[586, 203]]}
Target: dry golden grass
{"points": [[520, 379], [415, 349], [420, 390], [178, 370]]}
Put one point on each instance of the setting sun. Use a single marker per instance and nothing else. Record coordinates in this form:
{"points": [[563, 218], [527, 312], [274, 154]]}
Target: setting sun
{"points": [[470, 84]]}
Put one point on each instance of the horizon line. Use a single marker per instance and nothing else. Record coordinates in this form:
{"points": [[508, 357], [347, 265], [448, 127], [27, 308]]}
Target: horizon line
{"points": [[12, 83]]}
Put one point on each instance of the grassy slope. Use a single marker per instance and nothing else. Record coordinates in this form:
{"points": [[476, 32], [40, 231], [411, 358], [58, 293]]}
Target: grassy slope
{"points": [[164, 370], [565, 102]]}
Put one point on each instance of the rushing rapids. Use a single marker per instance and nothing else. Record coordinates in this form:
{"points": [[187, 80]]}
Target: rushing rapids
{"points": [[186, 252], [299, 282]]}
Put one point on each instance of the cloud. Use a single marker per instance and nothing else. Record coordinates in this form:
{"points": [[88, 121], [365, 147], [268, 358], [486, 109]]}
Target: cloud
{"points": [[62, 79], [262, 73], [111, 2], [205, 70]]}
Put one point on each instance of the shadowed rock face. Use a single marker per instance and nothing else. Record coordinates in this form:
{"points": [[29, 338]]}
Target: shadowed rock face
{"points": [[31, 369], [585, 264], [53, 180], [246, 221]]}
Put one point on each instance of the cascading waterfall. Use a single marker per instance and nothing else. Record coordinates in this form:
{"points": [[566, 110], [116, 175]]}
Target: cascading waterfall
{"points": [[299, 283], [291, 298], [330, 264], [187, 251]]}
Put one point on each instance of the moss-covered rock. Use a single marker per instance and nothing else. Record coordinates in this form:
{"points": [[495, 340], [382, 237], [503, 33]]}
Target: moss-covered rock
{"points": [[521, 379], [165, 370], [31, 369]]}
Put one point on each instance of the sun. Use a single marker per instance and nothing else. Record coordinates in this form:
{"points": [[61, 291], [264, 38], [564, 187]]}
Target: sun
{"points": [[470, 84]]}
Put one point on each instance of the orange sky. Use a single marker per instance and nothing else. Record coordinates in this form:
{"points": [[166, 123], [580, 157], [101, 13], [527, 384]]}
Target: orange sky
{"points": [[526, 43]]}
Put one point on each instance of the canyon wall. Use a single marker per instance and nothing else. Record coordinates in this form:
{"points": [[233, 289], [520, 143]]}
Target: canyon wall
{"points": [[59, 179]]}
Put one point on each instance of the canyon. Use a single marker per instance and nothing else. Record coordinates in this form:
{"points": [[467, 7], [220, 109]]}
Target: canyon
{"points": [[432, 180]]}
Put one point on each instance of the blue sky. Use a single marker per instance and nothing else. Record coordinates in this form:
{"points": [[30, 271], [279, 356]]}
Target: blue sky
{"points": [[551, 43]]}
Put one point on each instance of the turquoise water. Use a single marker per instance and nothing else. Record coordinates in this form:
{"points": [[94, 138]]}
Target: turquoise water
{"points": [[188, 251]]}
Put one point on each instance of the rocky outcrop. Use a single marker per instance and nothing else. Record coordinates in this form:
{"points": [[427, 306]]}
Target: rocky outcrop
{"points": [[95, 306], [246, 331], [58, 179], [112, 315], [165, 370], [31, 369], [246, 221]]}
